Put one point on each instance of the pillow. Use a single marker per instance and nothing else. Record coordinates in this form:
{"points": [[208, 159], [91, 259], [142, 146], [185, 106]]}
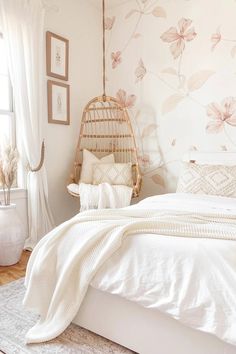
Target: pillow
{"points": [[86, 175], [113, 173], [208, 179]]}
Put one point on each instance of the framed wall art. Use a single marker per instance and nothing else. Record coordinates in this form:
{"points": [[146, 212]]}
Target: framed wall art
{"points": [[58, 102], [57, 56]]}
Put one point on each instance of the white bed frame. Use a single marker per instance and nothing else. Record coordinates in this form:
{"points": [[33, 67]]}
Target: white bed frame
{"points": [[147, 331], [143, 330]]}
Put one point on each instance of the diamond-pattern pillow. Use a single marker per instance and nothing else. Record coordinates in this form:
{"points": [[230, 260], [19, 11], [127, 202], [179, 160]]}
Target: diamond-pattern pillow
{"points": [[113, 173], [208, 179], [89, 159]]}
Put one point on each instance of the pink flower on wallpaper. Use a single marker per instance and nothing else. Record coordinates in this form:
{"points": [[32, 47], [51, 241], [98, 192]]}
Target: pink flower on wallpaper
{"points": [[109, 22], [221, 114], [178, 36], [126, 101], [116, 59], [215, 38], [144, 160], [140, 71]]}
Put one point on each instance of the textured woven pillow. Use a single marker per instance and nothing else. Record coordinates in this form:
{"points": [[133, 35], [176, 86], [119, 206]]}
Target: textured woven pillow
{"points": [[89, 159], [208, 179], [113, 173]]}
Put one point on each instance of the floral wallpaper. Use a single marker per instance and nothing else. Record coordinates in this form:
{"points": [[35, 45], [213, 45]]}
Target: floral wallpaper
{"points": [[172, 63]]}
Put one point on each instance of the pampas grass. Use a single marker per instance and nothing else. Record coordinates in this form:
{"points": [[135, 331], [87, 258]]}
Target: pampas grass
{"points": [[8, 168]]}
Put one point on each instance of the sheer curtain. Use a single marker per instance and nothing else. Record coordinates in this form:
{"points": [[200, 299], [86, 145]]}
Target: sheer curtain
{"points": [[23, 30]]}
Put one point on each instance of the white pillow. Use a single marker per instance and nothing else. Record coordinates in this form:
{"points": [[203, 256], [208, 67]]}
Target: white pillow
{"points": [[86, 175], [208, 179], [113, 173]]}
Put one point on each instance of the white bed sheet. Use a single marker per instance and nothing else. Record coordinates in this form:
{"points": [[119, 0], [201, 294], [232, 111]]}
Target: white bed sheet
{"points": [[192, 280]]}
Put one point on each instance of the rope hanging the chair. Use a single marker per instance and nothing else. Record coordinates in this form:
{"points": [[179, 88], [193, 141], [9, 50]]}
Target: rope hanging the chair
{"points": [[106, 128], [103, 52]]}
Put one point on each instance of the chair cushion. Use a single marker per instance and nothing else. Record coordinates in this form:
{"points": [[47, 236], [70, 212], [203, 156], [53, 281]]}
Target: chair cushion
{"points": [[113, 173], [89, 159]]}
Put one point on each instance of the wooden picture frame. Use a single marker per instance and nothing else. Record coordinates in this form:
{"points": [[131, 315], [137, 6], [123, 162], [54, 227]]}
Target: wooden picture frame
{"points": [[57, 56], [58, 102]]}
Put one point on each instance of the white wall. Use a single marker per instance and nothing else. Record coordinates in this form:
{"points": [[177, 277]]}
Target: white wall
{"points": [[80, 22]]}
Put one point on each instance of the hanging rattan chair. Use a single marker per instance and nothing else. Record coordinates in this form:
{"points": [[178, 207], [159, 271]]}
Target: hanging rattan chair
{"points": [[106, 128]]}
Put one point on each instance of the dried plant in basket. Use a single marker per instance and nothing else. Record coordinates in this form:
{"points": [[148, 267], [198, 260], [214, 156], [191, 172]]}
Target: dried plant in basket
{"points": [[8, 168]]}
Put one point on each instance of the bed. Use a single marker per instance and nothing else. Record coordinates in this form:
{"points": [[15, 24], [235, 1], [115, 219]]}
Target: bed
{"points": [[127, 302], [142, 330]]}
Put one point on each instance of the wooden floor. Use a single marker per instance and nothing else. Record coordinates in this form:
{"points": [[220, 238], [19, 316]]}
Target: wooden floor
{"points": [[16, 271]]}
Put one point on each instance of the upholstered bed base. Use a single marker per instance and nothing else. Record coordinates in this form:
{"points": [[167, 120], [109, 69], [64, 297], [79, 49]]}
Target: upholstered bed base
{"points": [[143, 330]]}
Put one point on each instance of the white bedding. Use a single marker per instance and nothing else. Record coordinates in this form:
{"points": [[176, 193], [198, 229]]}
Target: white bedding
{"points": [[191, 279]]}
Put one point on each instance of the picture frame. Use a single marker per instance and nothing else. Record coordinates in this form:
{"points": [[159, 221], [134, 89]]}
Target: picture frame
{"points": [[57, 56], [58, 102]]}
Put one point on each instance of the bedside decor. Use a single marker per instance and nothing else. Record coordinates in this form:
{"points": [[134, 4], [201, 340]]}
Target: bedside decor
{"points": [[57, 54], [8, 166], [58, 102], [11, 235]]}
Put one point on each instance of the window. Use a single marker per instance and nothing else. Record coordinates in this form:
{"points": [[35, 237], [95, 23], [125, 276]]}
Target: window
{"points": [[7, 122]]}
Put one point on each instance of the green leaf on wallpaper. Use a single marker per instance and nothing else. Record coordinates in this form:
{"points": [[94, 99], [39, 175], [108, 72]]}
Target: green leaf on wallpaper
{"points": [[171, 103], [233, 51], [130, 13], [170, 71], [158, 12], [157, 179], [149, 130], [197, 80]]}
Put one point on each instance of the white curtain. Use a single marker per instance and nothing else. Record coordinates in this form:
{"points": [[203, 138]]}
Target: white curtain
{"points": [[23, 31]]}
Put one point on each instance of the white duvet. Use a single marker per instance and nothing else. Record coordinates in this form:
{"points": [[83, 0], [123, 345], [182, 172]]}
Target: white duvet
{"points": [[191, 279]]}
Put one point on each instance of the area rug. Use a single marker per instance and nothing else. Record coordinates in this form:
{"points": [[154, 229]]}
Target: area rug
{"points": [[15, 322]]}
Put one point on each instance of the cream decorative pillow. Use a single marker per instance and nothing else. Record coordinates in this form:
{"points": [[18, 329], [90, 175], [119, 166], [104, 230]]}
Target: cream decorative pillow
{"points": [[89, 159], [113, 173], [208, 179]]}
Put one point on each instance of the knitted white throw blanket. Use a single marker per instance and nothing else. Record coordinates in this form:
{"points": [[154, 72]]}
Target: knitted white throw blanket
{"points": [[101, 196], [64, 262], [104, 196]]}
